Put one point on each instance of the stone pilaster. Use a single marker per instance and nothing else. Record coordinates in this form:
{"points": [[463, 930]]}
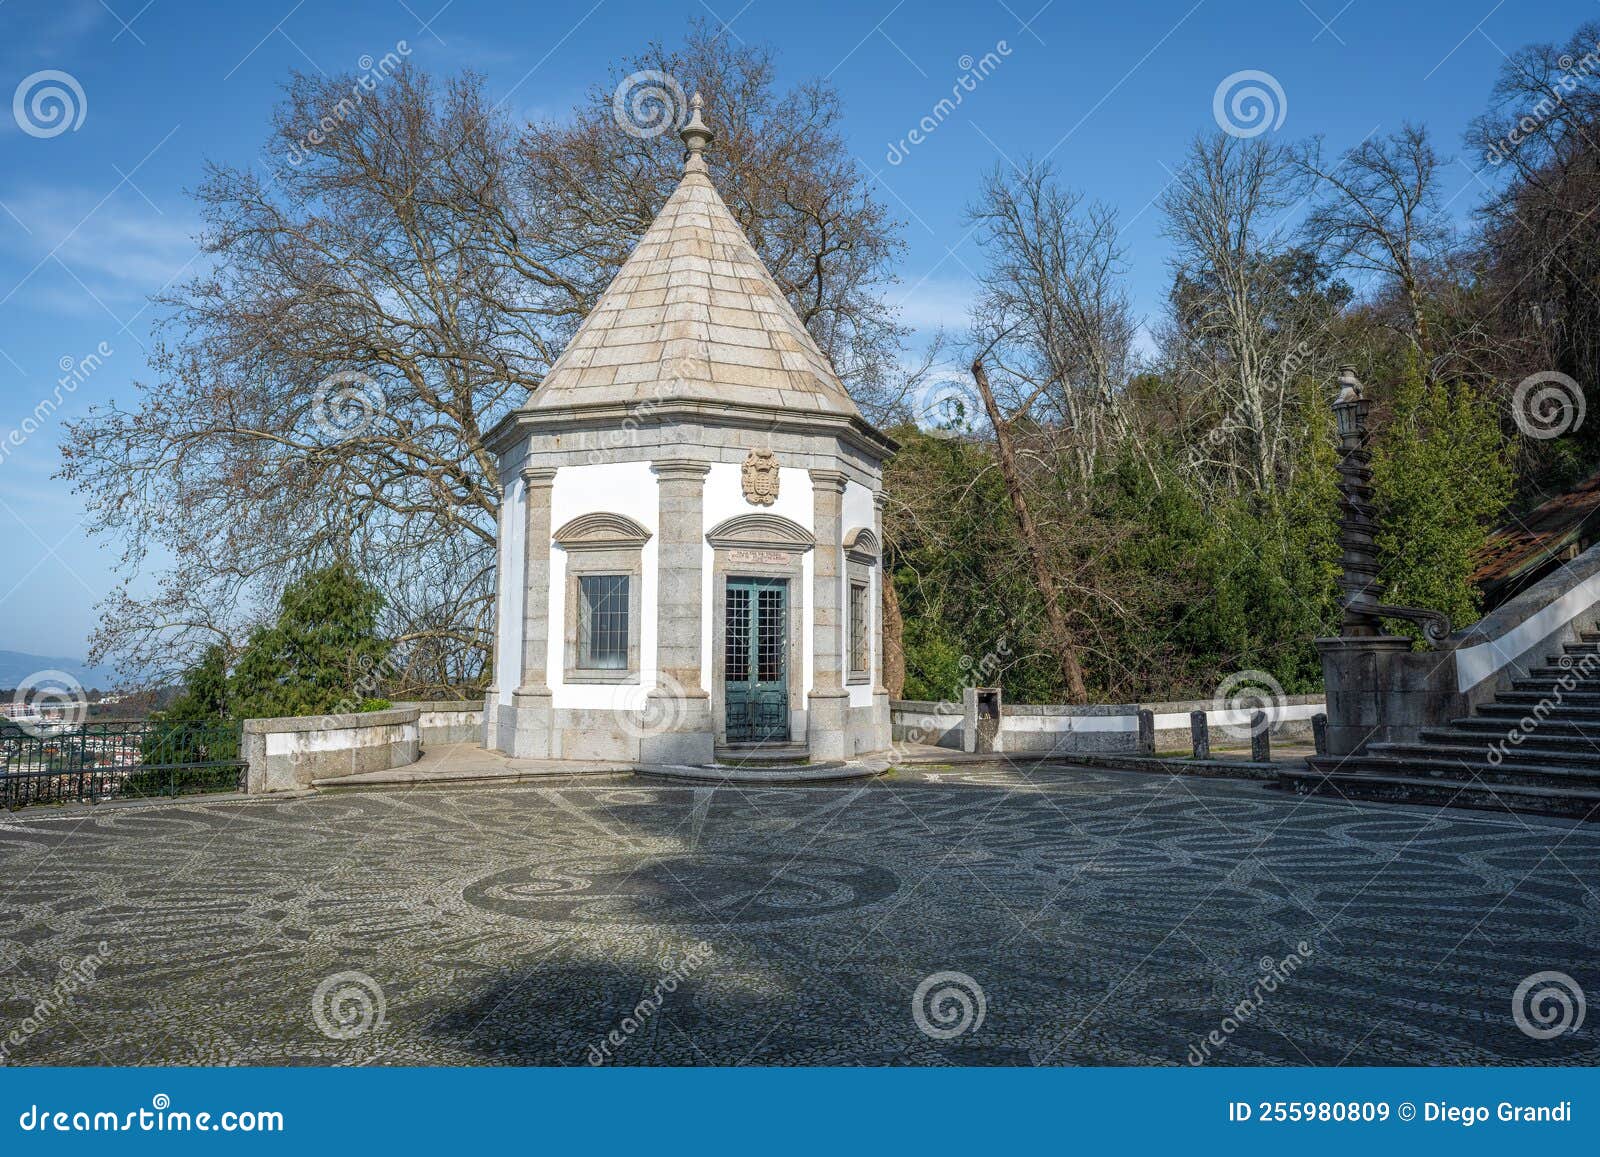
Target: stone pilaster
{"points": [[678, 727], [883, 732], [534, 732], [491, 695], [827, 704]]}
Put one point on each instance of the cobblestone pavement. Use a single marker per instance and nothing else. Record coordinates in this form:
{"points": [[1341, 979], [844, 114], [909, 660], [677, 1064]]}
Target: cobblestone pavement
{"points": [[1099, 917]]}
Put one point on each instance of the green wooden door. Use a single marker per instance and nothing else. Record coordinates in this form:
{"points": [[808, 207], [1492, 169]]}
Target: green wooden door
{"points": [[755, 660]]}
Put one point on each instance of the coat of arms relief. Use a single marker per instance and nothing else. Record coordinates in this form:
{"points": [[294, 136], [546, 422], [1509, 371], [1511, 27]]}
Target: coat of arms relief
{"points": [[761, 478]]}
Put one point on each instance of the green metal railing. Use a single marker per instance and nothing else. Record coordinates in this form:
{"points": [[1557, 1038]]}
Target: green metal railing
{"points": [[45, 762]]}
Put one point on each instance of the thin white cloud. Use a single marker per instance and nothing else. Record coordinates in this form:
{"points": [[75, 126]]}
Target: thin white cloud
{"points": [[121, 250], [934, 303]]}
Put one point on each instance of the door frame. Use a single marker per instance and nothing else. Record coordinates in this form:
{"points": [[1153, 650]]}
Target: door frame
{"points": [[759, 546], [755, 584]]}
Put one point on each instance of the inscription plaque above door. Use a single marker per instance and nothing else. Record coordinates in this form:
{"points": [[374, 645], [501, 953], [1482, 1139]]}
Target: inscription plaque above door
{"points": [[739, 557]]}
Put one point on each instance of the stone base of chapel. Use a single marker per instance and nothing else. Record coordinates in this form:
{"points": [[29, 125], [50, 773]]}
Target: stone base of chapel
{"points": [[529, 728]]}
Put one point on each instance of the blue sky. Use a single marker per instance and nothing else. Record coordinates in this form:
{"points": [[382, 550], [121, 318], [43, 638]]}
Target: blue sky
{"points": [[95, 218]]}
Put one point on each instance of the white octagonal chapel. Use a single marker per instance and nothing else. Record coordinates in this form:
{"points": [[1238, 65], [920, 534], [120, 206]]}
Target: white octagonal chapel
{"points": [[690, 526]]}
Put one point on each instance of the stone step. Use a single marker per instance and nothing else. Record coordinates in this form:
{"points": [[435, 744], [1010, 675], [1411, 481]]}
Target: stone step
{"points": [[1519, 768], [1519, 701], [829, 771], [1558, 724], [762, 754], [1474, 757], [1556, 685], [1396, 787], [1549, 672]]}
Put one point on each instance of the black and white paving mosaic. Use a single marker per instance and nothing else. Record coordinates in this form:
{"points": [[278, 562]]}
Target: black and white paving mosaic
{"points": [[1087, 917]]}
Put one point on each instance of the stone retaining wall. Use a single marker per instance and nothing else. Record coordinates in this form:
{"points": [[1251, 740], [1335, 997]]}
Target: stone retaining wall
{"points": [[1105, 729], [289, 754], [452, 721]]}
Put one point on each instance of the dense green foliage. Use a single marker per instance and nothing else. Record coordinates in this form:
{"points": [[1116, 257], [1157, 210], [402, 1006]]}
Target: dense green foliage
{"points": [[322, 654], [1441, 475], [1190, 587]]}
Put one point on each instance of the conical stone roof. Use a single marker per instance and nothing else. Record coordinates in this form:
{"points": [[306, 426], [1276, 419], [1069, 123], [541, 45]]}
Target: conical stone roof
{"points": [[693, 315]]}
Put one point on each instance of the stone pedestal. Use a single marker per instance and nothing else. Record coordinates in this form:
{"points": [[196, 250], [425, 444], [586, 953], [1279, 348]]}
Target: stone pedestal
{"points": [[491, 718], [1379, 690], [981, 709]]}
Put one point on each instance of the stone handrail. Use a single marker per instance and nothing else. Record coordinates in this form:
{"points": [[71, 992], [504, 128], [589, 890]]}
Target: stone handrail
{"points": [[1381, 690], [1533, 624]]}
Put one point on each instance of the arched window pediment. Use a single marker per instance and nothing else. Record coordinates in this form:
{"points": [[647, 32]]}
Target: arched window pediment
{"points": [[771, 531], [862, 544], [601, 530]]}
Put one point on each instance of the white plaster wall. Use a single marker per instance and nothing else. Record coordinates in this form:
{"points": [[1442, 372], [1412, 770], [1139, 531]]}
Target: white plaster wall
{"points": [[627, 488], [857, 511], [724, 499], [509, 594], [1164, 720]]}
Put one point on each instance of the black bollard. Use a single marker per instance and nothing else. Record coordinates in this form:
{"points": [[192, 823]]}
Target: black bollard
{"points": [[1260, 738], [1200, 734], [1147, 731]]}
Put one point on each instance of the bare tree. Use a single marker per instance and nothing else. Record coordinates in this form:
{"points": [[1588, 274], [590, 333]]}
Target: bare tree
{"points": [[1539, 245], [1250, 313], [1054, 309], [375, 301], [1379, 214], [1060, 638]]}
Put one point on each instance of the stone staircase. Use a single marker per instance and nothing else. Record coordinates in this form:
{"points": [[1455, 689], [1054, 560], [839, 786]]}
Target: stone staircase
{"points": [[1534, 748]]}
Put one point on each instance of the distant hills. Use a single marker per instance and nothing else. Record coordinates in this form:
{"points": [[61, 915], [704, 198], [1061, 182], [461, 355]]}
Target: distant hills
{"points": [[16, 666]]}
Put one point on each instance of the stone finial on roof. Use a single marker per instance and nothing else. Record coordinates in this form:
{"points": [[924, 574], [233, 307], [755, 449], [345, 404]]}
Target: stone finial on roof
{"points": [[696, 136]]}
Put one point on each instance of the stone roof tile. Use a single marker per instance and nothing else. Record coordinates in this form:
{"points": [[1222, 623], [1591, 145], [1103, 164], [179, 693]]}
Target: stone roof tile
{"points": [[693, 313]]}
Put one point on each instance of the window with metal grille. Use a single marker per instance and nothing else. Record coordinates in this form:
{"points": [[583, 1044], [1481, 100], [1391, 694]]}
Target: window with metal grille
{"points": [[603, 621], [770, 624], [737, 657], [858, 628]]}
